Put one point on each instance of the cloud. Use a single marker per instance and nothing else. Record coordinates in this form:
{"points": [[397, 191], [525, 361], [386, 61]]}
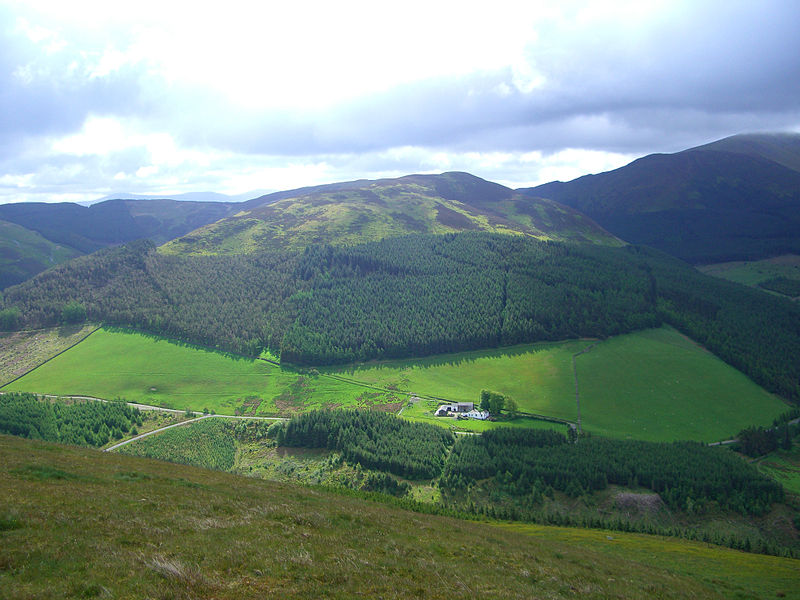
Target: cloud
{"points": [[174, 96]]}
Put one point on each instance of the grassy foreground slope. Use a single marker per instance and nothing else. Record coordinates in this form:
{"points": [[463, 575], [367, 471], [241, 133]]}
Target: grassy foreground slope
{"points": [[152, 370], [76, 523]]}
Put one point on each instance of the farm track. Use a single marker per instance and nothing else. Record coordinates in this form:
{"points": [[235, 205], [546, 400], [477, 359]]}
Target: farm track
{"points": [[187, 422]]}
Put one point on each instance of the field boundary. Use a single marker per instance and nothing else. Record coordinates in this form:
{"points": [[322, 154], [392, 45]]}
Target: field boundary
{"points": [[59, 353], [575, 375]]}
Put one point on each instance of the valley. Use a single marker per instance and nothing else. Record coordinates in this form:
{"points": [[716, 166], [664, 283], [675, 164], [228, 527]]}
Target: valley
{"points": [[308, 336], [635, 386]]}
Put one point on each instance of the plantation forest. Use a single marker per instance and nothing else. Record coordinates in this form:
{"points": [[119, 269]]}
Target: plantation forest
{"points": [[414, 296]]}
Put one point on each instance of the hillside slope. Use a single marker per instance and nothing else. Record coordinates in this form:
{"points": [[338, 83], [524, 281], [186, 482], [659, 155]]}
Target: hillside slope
{"points": [[737, 199], [363, 211], [78, 523], [24, 253]]}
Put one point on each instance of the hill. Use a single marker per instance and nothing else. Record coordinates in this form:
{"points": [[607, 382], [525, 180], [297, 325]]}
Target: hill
{"points": [[48, 234], [142, 528], [782, 148], [736, 199], [24, 253], [362, 211]]}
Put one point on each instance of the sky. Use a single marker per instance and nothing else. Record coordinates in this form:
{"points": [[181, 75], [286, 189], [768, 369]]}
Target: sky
{"points": [[99, 98]]}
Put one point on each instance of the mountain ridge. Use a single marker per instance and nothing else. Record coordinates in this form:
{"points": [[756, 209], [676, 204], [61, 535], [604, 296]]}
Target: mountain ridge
{"points": [[704, 204], [370, 210]]}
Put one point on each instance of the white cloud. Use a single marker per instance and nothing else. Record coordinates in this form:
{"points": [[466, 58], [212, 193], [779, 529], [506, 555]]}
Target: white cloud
{"points": [[178, 96]]}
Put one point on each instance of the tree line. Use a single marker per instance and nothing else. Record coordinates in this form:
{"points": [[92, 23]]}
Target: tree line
{"points": [[375, 440], [686, 475], [91, 424]]}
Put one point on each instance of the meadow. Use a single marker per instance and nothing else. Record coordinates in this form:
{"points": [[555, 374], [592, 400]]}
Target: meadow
{"points": [[754, 272], [650, 385], [161, 372], [658, 385], [537, 376]]}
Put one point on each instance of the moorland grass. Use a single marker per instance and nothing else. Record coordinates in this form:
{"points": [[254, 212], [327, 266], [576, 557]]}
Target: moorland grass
{"points": [[138, 528], [161, 372]]}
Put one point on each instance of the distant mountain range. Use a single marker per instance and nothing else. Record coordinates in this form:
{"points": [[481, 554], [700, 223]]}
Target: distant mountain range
{"points": [[46, 234], [734, 199], [187, 197]]}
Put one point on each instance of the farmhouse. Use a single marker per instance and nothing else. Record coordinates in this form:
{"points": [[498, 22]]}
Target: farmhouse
{"points": [[481, 415], [447, 410]]}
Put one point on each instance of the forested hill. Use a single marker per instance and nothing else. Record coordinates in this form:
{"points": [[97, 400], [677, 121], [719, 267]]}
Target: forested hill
{"points": [[362, 211], [413, 296], [736, 199]]}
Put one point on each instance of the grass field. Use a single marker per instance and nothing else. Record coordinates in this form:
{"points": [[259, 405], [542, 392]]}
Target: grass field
{"points": [[754, 272], [537, 376], [78, 523], [652, 385], [658, 385], [161, 372]]}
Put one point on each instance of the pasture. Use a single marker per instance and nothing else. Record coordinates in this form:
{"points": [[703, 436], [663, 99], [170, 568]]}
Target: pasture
{"points": [[658, 385], [651, 385], [161, 372], [754, 272]]}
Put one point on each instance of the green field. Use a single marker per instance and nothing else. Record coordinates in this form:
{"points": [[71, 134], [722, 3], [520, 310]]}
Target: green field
{"points": [[754, 272], [152, 370], [21, 351], [658, 385], [651, 385], [537, 376]]}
